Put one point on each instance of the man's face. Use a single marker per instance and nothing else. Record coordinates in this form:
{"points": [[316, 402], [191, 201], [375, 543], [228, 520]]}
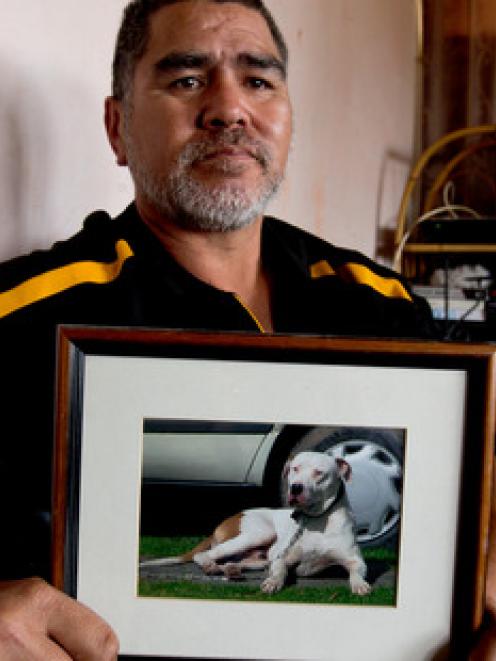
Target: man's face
{"points": [[208, 124]]}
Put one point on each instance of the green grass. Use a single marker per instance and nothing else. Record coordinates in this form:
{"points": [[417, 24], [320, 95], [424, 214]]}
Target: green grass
{"points": [[166, 546], [379, 553], [292, 594]]}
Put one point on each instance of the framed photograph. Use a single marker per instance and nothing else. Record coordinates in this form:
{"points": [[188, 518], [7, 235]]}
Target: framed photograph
{"points": [[232, 496]]}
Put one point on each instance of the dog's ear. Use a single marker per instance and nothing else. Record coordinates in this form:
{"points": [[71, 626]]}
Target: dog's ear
{"points": [[344, 469]]}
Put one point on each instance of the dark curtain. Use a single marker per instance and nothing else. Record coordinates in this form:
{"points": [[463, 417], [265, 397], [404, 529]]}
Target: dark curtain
{"points": [[459, 90]]}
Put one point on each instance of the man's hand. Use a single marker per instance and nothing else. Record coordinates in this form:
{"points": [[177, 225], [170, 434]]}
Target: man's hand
{"points": [[37, 623], [486, 648]]}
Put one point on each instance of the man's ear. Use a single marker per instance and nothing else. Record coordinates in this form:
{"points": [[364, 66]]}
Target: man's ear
{"points": [[114, 124]]}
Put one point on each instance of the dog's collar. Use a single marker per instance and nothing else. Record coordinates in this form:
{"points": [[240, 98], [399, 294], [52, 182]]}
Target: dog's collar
{"points": [[298, 515], [303, 518]]}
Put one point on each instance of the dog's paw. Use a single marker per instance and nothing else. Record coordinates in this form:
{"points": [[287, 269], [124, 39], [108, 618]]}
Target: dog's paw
{"points": [[271, 585], [207, 565], [232, 571], [359, 586], [211, 568]]}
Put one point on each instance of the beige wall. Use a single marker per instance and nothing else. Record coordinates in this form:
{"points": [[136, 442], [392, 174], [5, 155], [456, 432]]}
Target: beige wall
{"points": [[352, 80]]}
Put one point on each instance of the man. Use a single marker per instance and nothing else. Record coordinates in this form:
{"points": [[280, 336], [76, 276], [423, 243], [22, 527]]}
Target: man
{"points": [[201, 115]]}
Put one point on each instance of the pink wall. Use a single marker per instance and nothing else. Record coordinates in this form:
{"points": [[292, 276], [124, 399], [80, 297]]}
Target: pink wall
{"points": [[352, 79]]}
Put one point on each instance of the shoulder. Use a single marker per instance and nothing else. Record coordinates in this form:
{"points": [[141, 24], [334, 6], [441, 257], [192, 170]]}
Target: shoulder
{"points": [[95, 254], [343, 291], [322, 260]]}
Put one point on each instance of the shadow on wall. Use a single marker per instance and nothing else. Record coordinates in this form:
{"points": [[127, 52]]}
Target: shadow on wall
{"points": [[25, 157], [393, 174], [48, 129]]}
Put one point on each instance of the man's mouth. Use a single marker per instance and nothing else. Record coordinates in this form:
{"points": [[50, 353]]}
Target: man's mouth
{"points": [[230, 148], [234, 153]]}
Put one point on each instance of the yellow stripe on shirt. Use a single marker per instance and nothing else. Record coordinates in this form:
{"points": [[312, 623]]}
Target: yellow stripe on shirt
{"points": [[60, 279], [351, 272]]}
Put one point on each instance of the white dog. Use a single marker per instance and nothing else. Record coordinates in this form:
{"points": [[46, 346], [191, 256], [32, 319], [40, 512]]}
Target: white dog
{"points": [[314, 533]]}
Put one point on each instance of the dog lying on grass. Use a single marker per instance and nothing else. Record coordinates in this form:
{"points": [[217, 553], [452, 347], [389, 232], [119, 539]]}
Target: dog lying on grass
{"points": [[316, 531]]}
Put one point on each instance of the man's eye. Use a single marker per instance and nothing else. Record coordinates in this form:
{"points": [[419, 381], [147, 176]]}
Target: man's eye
{"points": [[186, 83], [259, 83]]}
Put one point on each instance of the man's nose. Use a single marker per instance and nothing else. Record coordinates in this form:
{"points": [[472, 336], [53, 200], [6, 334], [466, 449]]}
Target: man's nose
{"points": [[224, 107]]}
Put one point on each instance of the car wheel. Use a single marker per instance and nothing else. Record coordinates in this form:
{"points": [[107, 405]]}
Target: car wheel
{"points": [[374, 491]]}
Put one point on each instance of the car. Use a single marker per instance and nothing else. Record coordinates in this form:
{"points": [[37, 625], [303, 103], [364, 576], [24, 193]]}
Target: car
{"points": [[226, 466]]}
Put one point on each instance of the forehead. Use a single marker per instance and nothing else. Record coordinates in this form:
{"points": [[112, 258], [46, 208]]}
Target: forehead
{"points": [[312, 460], [218, 29]]}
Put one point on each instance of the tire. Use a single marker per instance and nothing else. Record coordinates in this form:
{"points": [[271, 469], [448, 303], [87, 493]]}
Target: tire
{"points": [[376, 460]]}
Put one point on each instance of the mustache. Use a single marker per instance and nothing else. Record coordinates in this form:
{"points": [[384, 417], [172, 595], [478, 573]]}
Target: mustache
{"points": [[199, 150]]}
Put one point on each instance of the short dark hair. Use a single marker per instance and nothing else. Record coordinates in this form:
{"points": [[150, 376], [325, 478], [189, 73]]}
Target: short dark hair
{"points": [[133, 35]]}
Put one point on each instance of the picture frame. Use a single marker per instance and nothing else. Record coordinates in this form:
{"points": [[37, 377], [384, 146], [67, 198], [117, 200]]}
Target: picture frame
{"points": [[442, 394]]}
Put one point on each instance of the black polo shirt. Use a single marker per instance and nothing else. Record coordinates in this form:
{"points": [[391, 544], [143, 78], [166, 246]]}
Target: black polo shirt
{"points": [[115, 272]]}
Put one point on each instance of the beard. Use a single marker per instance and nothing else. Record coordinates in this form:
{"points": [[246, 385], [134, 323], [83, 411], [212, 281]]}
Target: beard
{"points": [[197, 205]]}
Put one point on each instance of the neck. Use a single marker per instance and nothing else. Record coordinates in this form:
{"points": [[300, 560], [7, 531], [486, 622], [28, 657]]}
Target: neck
{"points": [[229, 261], [334, 500]]}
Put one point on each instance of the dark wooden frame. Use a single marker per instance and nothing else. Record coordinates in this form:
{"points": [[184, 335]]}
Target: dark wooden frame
{"points": [[477, 361]]}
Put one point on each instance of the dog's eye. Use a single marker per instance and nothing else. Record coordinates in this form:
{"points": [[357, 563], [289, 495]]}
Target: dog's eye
{"points": [[317, 473], [296, 469]]}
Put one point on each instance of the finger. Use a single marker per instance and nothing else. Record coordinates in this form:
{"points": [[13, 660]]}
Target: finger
{"points": [[23, 623], [491, 558], [80, 631], [34, 648], [37, 622], [486, 647]]}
